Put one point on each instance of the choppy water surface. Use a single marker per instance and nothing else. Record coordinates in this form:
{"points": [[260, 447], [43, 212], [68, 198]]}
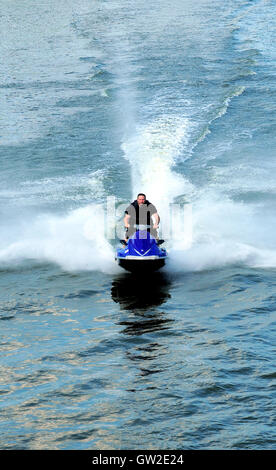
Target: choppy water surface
{"points": [[101, 100]]}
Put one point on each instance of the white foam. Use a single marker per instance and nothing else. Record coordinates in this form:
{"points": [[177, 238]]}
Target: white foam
{"points": [[75, 241], [225, 232], [152, 152], [218, 254]]}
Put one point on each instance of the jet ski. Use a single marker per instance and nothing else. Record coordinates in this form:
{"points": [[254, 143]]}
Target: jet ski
{"points": [[142, 252]]}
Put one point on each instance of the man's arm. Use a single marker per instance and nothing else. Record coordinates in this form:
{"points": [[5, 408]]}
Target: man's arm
{"points": [[126, 220], [157, 219]]}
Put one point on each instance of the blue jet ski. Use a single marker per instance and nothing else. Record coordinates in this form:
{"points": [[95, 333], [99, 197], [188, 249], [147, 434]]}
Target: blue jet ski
{"points": [[142, 252]]}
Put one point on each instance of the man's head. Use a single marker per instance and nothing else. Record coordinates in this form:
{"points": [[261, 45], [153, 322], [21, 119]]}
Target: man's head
{"points": [[141, 198]]}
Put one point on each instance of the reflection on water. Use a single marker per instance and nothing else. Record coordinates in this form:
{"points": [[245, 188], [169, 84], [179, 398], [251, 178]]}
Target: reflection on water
{"points": [[138, 298], [140, 325], [140, 292], [140, 295]]}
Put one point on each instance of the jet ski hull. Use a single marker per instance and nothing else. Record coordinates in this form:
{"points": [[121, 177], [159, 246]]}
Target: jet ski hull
{"points": [[142, 254], [137, 265]]}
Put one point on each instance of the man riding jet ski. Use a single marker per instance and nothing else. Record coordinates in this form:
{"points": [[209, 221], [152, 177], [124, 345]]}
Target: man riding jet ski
{"points": [[141, 244]]}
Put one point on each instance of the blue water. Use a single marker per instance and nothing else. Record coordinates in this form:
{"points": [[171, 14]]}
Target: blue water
{"points": [[101, 100]]}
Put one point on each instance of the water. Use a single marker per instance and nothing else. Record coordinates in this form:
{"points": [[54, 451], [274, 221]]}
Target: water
{"points": [[101, 100]]}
